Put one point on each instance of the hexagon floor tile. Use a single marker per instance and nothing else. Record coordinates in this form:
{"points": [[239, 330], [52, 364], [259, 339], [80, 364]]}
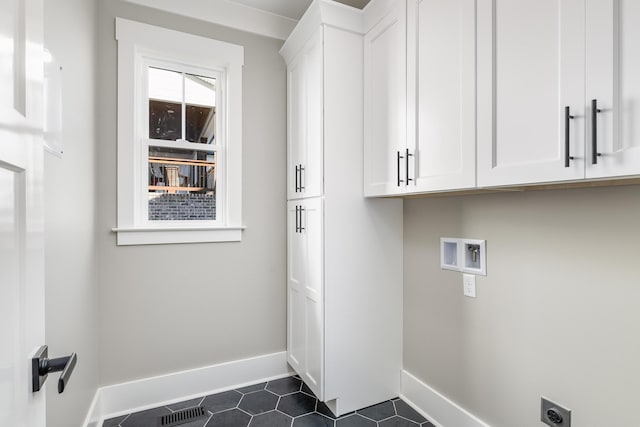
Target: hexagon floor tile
{"points": [[285, 402]]}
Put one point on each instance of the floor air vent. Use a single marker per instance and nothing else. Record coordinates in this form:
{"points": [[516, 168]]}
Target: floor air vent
{"points": [[182, 417]]}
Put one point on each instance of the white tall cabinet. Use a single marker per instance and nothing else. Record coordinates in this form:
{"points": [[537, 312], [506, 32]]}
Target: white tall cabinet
{"points": [[344, 308]]}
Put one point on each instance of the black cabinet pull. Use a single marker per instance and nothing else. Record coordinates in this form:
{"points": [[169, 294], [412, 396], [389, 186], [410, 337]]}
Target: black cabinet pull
{"points": [[567, 135], [297, 210], [398, 168], [302, 178], [301, 213], [406, 163], [297, 171], [594, 132]]}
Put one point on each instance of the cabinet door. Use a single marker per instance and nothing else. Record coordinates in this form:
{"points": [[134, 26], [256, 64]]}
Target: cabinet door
{"points": [[530, 67], [296, 106], [385, 100], [311, 177], [613, 71], [296, 277], [311, 223], [305, 116], [305, 315], [442, 62]]}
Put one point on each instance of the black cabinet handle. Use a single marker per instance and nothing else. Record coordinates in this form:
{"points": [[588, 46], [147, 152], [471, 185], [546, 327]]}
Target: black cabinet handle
{"points": [[594, 132], [301, 178], [297, 210], [398, 168], [406, 163], [567, 135], [301, 214], [42, 366], [297, 171]]}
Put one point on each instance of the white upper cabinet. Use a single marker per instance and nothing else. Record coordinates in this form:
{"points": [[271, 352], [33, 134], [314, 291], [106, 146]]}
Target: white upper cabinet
{"points": [[305, 109], [441, 137], [419, 77], [385, 102], [465, 94], [613, 86], [530, 69]]}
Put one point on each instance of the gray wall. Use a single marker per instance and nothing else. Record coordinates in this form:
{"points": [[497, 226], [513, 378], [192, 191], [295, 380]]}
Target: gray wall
{"points": [[173, 307], [557, 314], [70, 184]]}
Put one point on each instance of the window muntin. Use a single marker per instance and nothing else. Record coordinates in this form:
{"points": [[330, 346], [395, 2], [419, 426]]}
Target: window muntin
{"points": [[183, 151]]}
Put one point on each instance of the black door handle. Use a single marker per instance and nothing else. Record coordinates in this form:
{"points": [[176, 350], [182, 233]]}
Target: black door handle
{"points": [[567, 135], [301, 212], [406, 162], [301, 179], [42, 366], [297, 170], [398, 168], [594, 131]]}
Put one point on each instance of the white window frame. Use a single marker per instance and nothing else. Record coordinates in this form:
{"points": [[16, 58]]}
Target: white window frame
{"points": [[140, 46]]}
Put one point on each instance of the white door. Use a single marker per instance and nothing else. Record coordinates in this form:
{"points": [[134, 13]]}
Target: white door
{"points": [[442, 63], [311, 175], [305, 321], [385, 104], [311, 227], [613, 68], [296, 278], [296, 125], [305, 117], [21, 216], [530, 68]]}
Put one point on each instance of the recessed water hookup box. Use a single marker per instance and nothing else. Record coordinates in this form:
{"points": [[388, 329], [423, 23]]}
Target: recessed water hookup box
{"points": [[449, 253], [475, 256], [464, 255]]}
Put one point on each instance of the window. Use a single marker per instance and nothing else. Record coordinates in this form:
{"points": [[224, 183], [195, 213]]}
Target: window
{"points": [[179, 137]]}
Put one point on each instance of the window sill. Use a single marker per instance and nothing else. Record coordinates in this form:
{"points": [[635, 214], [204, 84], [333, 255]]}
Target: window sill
{"points": [[128, 236]]}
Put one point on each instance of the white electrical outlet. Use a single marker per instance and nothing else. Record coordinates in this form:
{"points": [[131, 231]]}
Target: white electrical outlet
{"points": [[469, 284]]}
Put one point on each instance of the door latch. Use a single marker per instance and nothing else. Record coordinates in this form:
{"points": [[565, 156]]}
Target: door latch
{"points": [[42, 366]]}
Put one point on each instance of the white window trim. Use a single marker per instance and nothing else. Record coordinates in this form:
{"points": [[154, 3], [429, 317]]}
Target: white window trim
{"points": [[137, 44]]}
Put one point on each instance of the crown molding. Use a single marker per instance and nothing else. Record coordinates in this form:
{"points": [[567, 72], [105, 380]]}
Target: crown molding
{"points": [[228, 14]]}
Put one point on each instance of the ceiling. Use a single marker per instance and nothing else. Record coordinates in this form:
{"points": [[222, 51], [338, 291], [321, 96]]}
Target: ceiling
{"points": [[293, 9]]}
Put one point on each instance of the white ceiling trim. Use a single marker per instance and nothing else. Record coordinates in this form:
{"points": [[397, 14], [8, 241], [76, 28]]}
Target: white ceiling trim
{"points": [[293, 9], [229, 14]]}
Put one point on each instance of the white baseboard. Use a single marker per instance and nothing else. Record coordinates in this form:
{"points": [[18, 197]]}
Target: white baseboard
{"points": [[437, 408], [119, 399]]}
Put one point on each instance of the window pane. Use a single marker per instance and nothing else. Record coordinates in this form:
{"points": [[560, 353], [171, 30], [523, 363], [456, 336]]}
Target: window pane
{"points": [[182, 185], [165, 104], [200, 100]]}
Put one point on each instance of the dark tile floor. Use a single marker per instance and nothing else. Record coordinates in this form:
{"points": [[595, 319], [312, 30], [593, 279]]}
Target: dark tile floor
{"points": [[286, 402]]}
